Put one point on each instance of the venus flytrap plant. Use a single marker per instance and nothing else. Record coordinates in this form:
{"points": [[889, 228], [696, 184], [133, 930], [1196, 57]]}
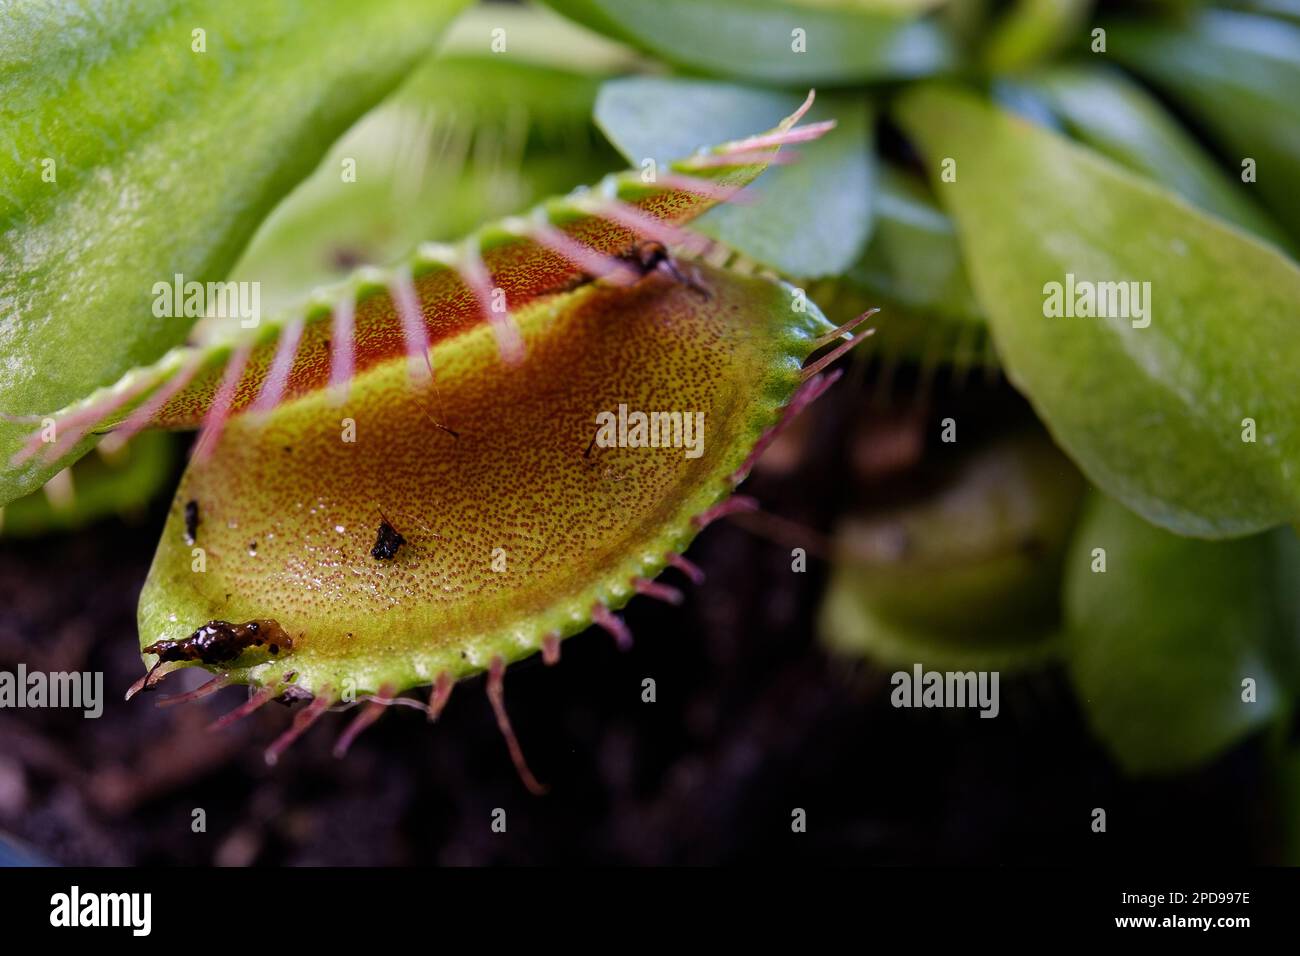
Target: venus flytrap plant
{"points": [[402, 471], [1167, 416], [401, 475]]}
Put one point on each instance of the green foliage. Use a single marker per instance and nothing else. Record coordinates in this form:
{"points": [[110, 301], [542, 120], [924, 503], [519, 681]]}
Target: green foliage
{"points": [[1032, 30], [845, 43], [1160, 642], [1114, 116], [164, 161], [1236, 74], [226, 163], [966, 577], [97, 486], [1156, 414]]}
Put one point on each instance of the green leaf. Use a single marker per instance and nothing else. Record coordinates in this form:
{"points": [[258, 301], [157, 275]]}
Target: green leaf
{"points": [[1032, 31], [1153, 410], [808, 219], [1116, 117], [1160, 643], [163, 159], [537, 36], [965, 577], [914, 258], [1237, 74], [1287, 9], [845, 43]]}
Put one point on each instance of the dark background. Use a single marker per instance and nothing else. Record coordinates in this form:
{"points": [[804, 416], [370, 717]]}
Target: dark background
{"points": [[752, 719]]}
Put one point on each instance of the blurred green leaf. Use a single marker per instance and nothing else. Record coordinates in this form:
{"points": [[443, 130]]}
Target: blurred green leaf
{"points": [[1154, 414], [127, 157], [914, 257], [1118, 118], [537, 35], [845, 43], [967, 576], [808, 219], [1033, 30], [1238, 74], [1160, 643], [1290, 9]]}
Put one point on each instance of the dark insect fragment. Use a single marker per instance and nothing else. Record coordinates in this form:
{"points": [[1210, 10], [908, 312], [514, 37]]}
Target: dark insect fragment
{"points": [[387, 543], [219, 642], [647, 257], [191, 521]]}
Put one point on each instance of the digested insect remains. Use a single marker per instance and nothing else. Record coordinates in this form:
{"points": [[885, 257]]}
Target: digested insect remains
{"points": [[219, 642], [647, 257], [387, 543]]}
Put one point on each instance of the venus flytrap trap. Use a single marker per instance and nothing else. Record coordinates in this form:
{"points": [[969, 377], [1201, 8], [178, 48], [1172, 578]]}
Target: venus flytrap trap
{"points": [[473, 435]]}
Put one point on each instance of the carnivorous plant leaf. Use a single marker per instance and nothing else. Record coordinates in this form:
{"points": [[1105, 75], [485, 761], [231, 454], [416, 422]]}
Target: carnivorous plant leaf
{"points": [[466, 390], [516, 521]]}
